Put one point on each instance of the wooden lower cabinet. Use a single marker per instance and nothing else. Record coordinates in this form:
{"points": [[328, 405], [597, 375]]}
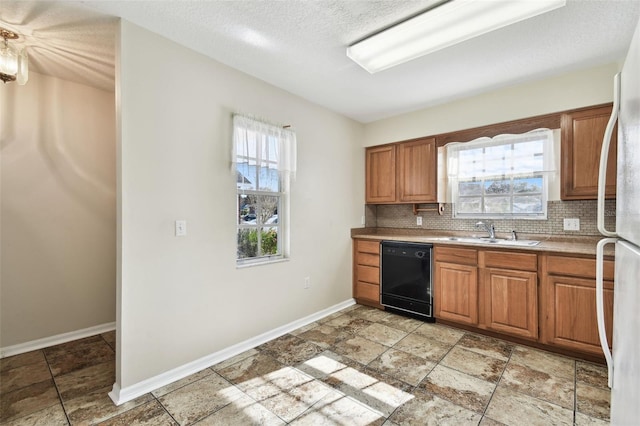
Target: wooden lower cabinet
{"points": [[569, 304], [366, 271], [456, 287], [511, 302]]}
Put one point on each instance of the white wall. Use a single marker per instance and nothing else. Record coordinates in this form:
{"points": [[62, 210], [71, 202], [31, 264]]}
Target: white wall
{"points": [[573, 90], [58, 209], [183, 298]]}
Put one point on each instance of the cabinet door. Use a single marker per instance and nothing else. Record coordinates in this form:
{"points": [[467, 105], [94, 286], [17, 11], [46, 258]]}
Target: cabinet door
{"points": [[380, 185], [511, 302], [417, 171], [582, 134], [456, 293], [570, 312]]}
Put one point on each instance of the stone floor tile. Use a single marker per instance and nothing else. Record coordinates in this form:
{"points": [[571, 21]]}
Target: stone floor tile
{"points": [[593, 401], [273, 383], [584, 420], [338, 409], [95, 406], [86, 356], [292, 401], [227, 362], [487, 421], [428, 409], [250, 368], [349, 323], [51, 416], [307, 327], [423, 347], [326, 363], [79, 382], [23, 376], [199, 399], [21, 360], [182, 382], [554, 365], [324, 336], [110, 338], [439, 332], [459, 388], [402, 323], [474, 364], [360, 349], [27, 400], [538, 384], [382, 334], [485, 345], [289, 349], [73, 346], [514, 408], [242, 412], [403, 366], [592, 374], [369, 314], [151, 414]]}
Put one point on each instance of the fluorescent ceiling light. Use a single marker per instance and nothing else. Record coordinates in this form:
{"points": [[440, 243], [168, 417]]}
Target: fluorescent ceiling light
{"points": [[443, 26]]}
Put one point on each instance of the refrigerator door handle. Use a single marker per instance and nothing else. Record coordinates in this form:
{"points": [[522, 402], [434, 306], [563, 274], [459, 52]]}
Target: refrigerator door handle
{"points": [[604, 156], [602, 332]]}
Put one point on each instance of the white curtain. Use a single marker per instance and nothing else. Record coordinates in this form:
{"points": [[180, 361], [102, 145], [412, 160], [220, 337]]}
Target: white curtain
{"points": [[270, 146], [524, 155]]}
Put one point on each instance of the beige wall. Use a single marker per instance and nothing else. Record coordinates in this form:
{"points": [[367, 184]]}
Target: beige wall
{"points": [[57, 209], [573, 90], [182, 298]]}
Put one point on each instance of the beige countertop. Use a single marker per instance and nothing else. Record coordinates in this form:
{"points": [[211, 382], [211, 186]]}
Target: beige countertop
{"points": [[571, 245]]}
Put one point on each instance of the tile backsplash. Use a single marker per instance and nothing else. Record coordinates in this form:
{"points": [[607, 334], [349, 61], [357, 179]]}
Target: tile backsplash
{"points": [[401, 216]]}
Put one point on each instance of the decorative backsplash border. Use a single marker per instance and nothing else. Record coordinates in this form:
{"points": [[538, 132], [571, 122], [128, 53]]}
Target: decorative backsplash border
{"points": [[401, 216]]}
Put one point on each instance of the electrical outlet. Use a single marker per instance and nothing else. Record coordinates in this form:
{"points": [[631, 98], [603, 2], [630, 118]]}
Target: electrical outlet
{"points": [[181, 228], [572, 224], [419, 220], [307, 282]]}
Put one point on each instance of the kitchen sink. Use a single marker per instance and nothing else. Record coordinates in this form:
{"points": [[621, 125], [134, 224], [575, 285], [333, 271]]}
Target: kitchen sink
{"points": [[487, 240]]}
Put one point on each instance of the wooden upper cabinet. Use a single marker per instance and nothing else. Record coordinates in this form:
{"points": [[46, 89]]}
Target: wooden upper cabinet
{"points": [[381, 174], [402, 173], [582, 134], [417, 171]]}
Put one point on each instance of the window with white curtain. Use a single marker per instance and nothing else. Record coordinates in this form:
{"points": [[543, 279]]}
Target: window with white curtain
{"points": [[264, 161], [501, 177]]}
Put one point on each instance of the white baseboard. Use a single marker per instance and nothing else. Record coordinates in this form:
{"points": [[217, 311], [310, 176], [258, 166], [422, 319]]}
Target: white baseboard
{"points": [[121, 395], [55, 340]]}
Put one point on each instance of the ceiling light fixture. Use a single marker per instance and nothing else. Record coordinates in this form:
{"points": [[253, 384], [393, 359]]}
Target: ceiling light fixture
{"points": [[452, 22], [14, 62]]}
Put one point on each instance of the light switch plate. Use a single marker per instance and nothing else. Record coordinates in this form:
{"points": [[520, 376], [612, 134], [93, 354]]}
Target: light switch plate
{"points": [[181, 228], [572, 224]]}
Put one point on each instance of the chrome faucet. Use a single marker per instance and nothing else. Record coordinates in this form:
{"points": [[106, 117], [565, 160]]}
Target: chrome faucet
{"points": [[489, 228]]}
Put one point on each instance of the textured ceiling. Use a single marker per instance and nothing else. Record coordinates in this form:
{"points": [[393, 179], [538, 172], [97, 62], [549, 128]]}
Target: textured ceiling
{"points": [[300, 45]]}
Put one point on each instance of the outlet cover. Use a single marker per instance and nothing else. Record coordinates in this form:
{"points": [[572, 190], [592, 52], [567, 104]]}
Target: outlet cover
{"points": [[419, 220], [572, 224], [181, 228]]}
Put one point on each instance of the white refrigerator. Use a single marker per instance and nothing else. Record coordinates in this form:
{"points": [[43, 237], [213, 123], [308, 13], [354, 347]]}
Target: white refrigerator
{"points": [[624, 361]]}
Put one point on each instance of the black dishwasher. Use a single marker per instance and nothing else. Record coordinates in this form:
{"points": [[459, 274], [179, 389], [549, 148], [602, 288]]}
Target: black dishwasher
{"points": [[406, 278]]}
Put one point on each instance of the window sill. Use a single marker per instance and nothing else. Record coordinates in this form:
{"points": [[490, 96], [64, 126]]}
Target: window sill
{"points": [[250, 264]]}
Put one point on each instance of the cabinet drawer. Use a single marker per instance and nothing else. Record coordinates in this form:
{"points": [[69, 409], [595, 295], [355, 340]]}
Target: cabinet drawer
{"points": [[509, 260], [365, 246], [456, 255], [369, 274], [578, 267], [368, 259], [367, 291]]}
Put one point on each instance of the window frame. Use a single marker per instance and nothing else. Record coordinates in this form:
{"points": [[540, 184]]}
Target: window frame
{"points": [[500, 175]]}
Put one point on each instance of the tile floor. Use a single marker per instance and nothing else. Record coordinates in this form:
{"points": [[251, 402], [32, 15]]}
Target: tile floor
{"points": [[360, 366]]}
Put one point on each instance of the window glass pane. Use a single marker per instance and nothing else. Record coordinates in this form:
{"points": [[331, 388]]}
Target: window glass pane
{"points": [[268, 208], [246, 176], [497, 186], [469, 188], [247, 209], [527, 204], [527, 185], [470, 205], [269, 241], [497, 205], [247, 243], [269, 178]]}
